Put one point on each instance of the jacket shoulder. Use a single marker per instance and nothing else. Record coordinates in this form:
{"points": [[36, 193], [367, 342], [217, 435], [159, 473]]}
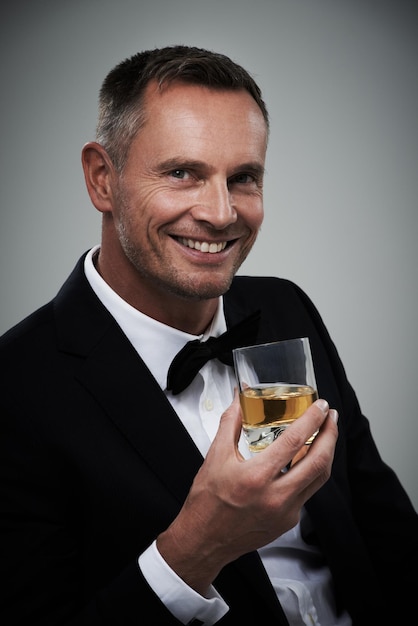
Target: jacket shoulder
{"points": [[34, 324], [258, 290]]}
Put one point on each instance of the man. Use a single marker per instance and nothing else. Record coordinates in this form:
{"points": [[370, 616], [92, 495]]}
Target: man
{"points": [[127, 498]]}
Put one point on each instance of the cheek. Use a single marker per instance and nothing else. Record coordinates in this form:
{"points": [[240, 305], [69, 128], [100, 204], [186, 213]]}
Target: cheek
{"points": [[141, 205], [160, 203], [252, 213]]}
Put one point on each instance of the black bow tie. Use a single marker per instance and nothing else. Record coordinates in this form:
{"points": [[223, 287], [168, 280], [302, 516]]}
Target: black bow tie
{"points": [[195, 354]]}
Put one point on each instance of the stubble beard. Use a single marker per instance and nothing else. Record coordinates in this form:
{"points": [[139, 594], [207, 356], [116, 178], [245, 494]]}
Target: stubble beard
{"points": [[166, 277]]}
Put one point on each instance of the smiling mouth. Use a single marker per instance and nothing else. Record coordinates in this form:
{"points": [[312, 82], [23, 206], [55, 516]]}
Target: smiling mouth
{"points": [[203, 246]]}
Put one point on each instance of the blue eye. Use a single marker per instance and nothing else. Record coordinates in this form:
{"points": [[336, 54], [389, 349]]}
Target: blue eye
{"points": [[178, 173], [244, 178]]}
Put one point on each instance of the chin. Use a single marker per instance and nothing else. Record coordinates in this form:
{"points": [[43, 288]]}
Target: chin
{"points": [[203, 289]]}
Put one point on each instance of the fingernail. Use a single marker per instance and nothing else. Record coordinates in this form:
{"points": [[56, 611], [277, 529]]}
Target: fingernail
{"points": [[334, 415], [323, 404]]}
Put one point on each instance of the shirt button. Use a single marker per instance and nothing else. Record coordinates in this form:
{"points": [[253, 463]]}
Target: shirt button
{"points": [[208, 404]]}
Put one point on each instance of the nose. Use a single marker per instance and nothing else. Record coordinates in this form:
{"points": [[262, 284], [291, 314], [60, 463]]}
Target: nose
{"points": [[215, 205]]}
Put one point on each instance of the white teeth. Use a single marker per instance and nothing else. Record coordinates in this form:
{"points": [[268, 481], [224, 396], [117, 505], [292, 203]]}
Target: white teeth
{"points": [[203, 246]]}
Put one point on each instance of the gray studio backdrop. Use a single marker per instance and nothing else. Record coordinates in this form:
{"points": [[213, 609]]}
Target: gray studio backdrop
{"points": [[340, 79]]}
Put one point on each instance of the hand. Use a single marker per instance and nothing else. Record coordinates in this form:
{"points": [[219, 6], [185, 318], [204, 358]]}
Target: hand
{"points": [[237, 505]]}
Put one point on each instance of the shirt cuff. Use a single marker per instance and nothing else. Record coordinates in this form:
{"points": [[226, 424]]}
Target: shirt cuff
{"points": [[180, 599]]}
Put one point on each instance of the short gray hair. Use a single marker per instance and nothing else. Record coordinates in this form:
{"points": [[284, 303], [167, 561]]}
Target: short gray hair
{"points": [[121, 113]]}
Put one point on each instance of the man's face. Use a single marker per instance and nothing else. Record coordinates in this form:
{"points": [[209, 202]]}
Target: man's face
{"points": [[188, 204]]}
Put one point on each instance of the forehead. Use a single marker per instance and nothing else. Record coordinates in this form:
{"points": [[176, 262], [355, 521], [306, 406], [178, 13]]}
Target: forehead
{"points": [[197, 119], [180, 102]]}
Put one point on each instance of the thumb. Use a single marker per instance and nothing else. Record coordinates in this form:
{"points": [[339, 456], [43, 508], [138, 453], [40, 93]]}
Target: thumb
{"points": [[231, 422]]}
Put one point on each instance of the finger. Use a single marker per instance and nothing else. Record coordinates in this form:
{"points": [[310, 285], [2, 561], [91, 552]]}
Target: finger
{"points": [[295, 435], [333, 416], [287, 446], [314, 469], [300, 454], [230, 424]]}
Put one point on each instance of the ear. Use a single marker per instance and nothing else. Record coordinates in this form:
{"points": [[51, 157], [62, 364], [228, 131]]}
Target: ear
{"points": [[98, 173]]}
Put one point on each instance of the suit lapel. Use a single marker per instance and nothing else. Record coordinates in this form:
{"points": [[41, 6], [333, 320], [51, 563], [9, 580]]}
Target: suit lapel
{"points": [[136, 404], [111, 370]]}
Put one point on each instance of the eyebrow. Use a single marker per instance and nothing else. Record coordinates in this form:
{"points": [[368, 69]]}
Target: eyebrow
{"points": [[252, 166]]}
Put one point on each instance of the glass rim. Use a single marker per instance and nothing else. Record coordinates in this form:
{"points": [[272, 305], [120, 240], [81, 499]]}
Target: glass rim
{"points": [[271, 343]]}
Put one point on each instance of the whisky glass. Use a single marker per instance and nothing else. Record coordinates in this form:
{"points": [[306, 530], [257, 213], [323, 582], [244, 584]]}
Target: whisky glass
{"points": [[276, 384]]}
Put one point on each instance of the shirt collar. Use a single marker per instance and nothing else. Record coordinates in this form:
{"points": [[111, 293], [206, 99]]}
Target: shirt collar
{"points": [[156, 343]]}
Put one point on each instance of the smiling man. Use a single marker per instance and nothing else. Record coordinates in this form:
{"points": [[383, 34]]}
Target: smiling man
{"points": [[184, 212], [127, 492]]}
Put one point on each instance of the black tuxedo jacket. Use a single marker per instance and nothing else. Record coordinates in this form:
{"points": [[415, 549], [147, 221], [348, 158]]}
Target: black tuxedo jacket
{"points": [[95, 464]]}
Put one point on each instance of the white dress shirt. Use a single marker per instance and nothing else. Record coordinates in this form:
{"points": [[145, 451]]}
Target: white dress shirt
{"points": [[297, 571]]}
